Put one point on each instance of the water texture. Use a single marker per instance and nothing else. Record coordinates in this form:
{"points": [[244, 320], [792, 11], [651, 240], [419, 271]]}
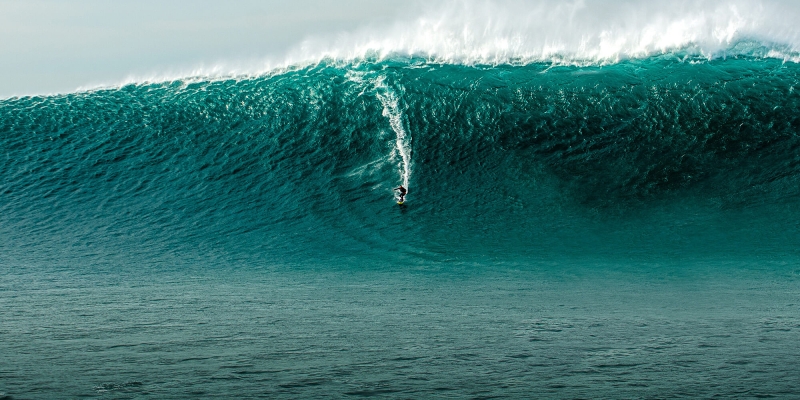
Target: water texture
{"points": [[608, 230]]}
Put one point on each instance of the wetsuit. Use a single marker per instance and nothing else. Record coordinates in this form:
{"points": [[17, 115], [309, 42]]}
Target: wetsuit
{"points": [[403, 192]]}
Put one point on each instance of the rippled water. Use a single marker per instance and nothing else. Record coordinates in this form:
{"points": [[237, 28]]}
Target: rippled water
{"points": [[709, 329]]}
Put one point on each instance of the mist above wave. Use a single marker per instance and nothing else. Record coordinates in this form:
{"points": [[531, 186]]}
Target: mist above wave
{"points": [[503, 31], [491, 32]]}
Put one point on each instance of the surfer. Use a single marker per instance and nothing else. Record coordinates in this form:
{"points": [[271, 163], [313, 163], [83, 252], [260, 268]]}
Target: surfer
{"points": [[403, 192]]}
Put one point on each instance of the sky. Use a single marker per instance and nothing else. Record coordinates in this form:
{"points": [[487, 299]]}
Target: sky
{"points": [[54, 46]]}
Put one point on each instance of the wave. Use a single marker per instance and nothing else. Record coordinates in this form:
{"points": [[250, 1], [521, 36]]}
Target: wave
{"points": [[653, 157]]}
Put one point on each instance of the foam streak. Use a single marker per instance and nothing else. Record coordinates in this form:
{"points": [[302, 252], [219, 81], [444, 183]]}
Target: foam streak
{"points": [[391, 110]]}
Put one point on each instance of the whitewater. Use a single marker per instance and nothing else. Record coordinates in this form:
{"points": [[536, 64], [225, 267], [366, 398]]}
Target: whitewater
{"points": [[603, 202], [521, 32]]}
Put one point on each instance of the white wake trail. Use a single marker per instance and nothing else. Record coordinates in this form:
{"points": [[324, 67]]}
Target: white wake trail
{"points": [[391, 110]]}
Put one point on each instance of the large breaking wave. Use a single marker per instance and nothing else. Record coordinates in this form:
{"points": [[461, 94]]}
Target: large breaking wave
{"points": [[522, 129], [660, 157]]}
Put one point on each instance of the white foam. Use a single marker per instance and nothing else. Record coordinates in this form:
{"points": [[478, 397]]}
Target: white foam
{"points": [[515, 31], [492, 32], [391, 110]]}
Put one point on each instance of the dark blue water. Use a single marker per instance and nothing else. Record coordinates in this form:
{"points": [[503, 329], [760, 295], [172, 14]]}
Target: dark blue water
{"points": [[627, 230]]}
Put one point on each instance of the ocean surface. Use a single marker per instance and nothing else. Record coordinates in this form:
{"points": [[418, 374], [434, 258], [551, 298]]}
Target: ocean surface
{"points": [[623, 229]]}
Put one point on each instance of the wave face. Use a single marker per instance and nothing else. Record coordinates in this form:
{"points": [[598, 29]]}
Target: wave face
{"points": [[660, 157]]}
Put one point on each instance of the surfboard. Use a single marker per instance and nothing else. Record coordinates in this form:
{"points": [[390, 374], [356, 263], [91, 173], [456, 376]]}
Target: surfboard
{"points": [[400, 203]]}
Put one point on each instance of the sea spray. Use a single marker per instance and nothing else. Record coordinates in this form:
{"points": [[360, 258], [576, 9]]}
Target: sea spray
{"points": [[516, 32], [477, 32]]}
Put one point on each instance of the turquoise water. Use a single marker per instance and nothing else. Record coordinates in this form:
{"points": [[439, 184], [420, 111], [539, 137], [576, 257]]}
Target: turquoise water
{"points": [[626, 230], [560, 330]]}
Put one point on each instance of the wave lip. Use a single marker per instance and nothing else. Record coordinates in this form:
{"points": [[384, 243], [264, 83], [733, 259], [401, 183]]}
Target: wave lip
{"points": [[502, 32], [517, 32], [513, 32]]}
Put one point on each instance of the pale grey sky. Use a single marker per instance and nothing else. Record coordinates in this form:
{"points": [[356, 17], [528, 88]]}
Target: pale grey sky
{"points": [[49, 46]]}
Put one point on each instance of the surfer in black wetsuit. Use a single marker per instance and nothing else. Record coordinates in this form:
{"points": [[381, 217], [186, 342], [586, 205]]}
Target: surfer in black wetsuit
{"points": [[403, 192]]}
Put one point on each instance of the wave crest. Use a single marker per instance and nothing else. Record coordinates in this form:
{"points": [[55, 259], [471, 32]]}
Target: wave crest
{"points": [[499, 32]]}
